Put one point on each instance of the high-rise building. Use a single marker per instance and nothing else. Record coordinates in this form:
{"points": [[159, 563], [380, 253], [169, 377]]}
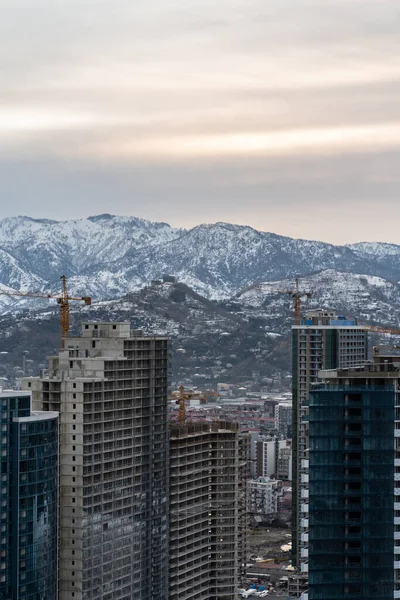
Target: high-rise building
{"points": [[110, 388], [208, 516], [29, 500], [323, 340], [283, 419], [354, 483], [268, 455]]}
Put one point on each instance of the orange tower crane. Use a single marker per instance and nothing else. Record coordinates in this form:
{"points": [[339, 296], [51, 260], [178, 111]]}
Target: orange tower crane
{"points": [[295, 293], [182, 404], [63, 300]]}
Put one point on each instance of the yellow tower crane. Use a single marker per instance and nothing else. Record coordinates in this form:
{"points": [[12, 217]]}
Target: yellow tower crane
{"points": [[63, 299], [182, 404], [295, 293], [380, 330]]}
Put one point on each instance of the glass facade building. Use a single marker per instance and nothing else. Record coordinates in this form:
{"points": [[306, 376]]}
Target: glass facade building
{"points": [[29, 500], [353, 533], [323, 340]]}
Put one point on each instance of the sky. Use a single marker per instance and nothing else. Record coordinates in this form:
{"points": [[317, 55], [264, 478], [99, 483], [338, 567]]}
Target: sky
{"points": [[279, 114]]}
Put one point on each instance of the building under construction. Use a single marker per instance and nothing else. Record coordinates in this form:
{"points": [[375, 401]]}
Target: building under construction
{"points": [[208, 516], [110, 388]]}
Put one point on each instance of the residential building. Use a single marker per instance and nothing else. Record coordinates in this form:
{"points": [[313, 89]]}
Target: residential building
{"points": [[264, 495], [29, 500], [323, 340], [110, 387], [208, 516], [267, 456], [283, 419], [284, 467], [354, 483]]}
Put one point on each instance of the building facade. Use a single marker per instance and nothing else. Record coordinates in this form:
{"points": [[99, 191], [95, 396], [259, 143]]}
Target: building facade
{"points": [[29, 500], [284, 468], [110, 388], [208, 516], [323, 340], [354, 484], [270, 457], [283, 419], [264, 496]]}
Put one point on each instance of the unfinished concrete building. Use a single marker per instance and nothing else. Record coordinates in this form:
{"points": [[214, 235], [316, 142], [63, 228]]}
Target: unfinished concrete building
{"points": [[110, 389], [208, 517]]}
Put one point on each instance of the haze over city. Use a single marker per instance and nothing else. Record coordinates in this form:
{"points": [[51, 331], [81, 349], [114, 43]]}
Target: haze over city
{"points": [[279, 115]]}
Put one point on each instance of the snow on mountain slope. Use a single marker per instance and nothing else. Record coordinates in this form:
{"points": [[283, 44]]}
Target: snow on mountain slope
{"points": [[371, 298], [51, 248], [107, 256]]}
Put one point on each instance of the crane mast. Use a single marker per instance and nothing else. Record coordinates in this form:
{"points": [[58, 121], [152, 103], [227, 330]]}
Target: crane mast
{"points": [[182, 404], [295, 293]]}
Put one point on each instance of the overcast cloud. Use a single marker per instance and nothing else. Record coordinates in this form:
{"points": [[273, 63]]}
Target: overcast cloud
{"points": [[280, 114]]}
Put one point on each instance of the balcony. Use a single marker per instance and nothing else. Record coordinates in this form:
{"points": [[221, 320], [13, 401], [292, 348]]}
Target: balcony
{"points": [[304, 523]]}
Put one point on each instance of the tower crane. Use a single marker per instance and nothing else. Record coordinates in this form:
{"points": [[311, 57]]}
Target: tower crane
{"points": [[295, 293], [378, 329], [63, 299], [182, 406]]}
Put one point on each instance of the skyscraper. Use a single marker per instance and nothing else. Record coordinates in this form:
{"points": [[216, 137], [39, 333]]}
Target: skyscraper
{"points": [[29, 500], [110, 388], [323, 340], [354, 483], [208, 517]]}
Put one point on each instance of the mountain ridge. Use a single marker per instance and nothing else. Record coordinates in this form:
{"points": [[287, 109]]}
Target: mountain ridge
{"points": [[108, 256]]}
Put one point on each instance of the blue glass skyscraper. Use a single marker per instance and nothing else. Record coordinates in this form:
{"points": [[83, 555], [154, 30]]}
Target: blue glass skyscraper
{"points": [[28, 500], [354, 485]]}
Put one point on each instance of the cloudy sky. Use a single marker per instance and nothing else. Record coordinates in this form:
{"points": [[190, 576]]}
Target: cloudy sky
{"points": [[280, 114]]}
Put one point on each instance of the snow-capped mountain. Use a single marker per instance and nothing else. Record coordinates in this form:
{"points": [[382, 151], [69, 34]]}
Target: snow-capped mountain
{"points": [[211, 340], [370, 298], [106, 256]]}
